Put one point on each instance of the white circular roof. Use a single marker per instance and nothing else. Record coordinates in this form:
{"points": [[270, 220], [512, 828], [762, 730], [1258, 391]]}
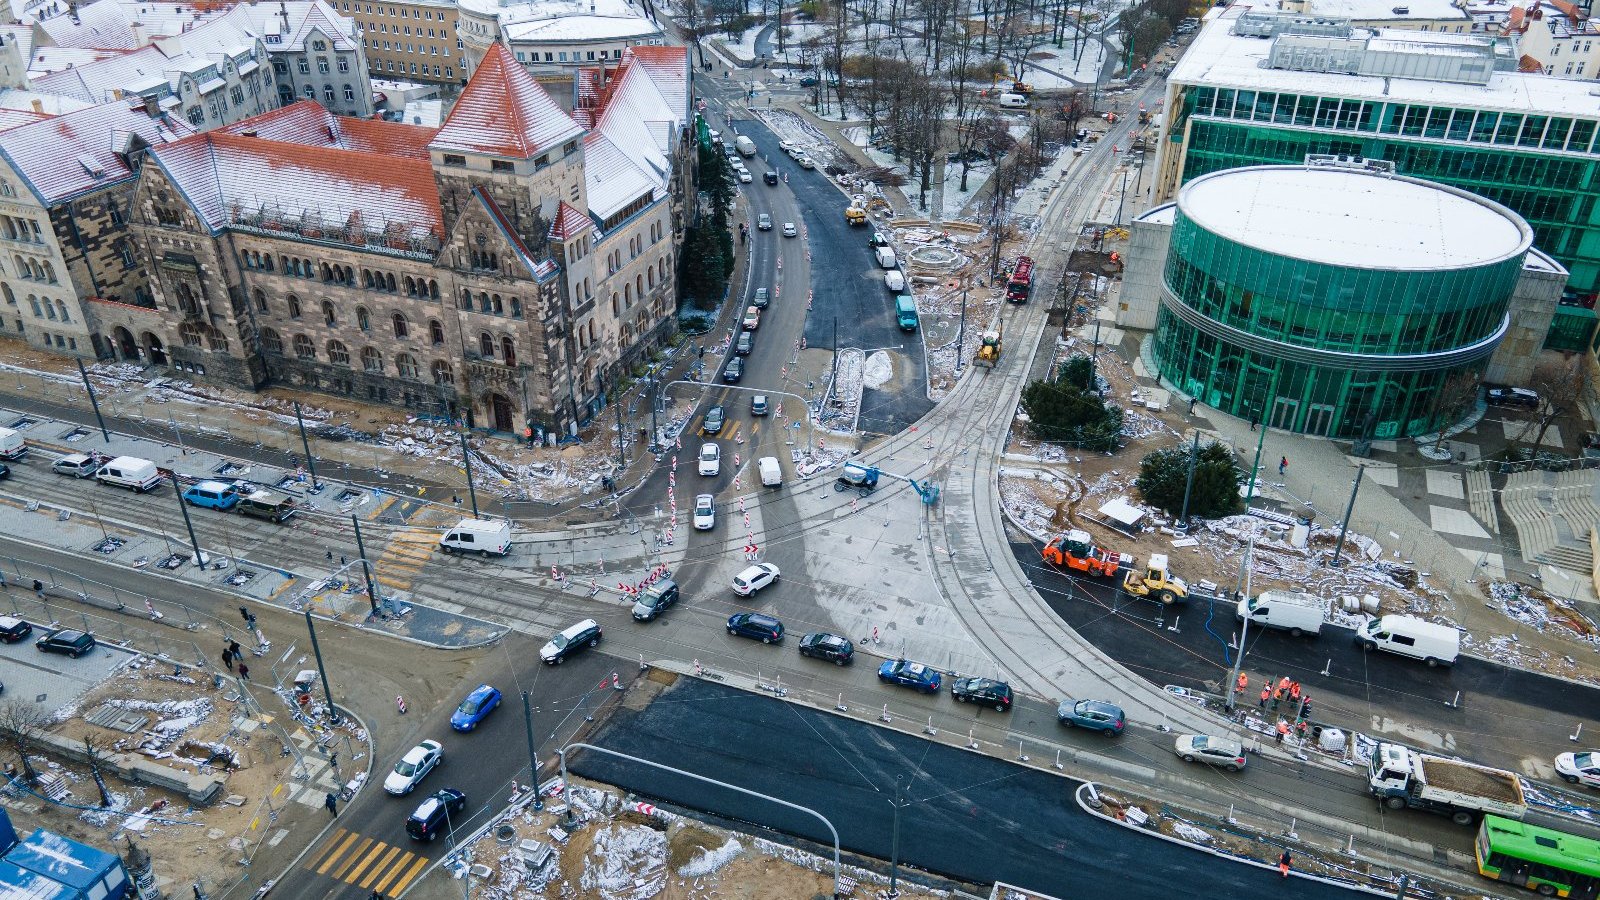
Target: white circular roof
{"points": [[1350, 218]]}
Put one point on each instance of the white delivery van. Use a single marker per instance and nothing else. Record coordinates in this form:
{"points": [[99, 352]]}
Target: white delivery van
{"points": [[1437, 645], [894, 280], [771, 472], [11, 444], [131, 472], [1291, 611], [490, 537], [885, 257], [1013, 101]]}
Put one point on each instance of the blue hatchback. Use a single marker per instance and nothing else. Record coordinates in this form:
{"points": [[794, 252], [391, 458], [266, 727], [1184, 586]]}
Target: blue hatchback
{"points": [[473, 710], [910, 674]]}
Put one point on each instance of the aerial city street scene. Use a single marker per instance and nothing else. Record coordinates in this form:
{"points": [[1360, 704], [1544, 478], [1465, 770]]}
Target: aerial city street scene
{"points": [[704, 449]]}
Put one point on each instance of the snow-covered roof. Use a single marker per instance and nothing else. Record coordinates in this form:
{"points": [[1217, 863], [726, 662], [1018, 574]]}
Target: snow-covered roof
{"points": [[503, 111], [669, 71], [1376, 10], [309, 124], [55, 59], [1344, 217], [580, 27], [105, 25], [611, 179], [22, 35], [1220, 59], [45, 104], [228, 177], [295, 21], [570, 223], [637, 117], [66, 155]]}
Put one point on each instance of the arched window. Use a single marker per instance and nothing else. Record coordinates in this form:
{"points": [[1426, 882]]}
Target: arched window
{"points": [[388, 282], [303, 347], [516, 308], [271, 342], [638, 286], [402, 328], [627, 294], [366, 278], [49, 273], [260, 297], [486, 346], [442, 373], [49, 309], [508, 350], [483, 301], [61, 307], [411, 286], [363, 319], [466, 299], [217, 340], [328, 315], [294, 306], [433, 289], [406, 365], [190, 333], [186, 301], [435, 333], [371, 359], [498, 309], [650, 277], [338, 353]]}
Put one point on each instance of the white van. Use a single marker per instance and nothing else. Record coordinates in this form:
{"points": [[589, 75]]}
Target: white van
{"points": [[771, 472], [885, 257], [1294, 612], [894, 280], [486, 536], [131, 472], [1013, 101], [1437, 645], [11, 444]]}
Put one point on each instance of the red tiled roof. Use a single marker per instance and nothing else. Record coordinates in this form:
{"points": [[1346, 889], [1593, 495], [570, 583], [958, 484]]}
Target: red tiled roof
{"points": [[1571, 10], [308, 123], [1528, 64], [503, 111], [570, 223], [70, 154], [668, 68], [13, 118]]}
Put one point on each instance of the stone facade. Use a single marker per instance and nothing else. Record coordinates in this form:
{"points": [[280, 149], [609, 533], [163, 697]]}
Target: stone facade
{"points": [[410, 41]]}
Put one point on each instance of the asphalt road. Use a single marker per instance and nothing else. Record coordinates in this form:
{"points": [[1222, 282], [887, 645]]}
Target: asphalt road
{"points": [[1507, 717], [367, 848], [967, 816]]}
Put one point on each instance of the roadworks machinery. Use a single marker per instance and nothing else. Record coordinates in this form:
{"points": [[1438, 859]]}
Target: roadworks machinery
{"points": [[1155, 581], [1076, 551], [988, 349], [855, 215]]}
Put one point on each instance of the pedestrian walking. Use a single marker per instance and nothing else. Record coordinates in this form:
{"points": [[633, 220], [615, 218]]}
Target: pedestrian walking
{"points": [[1283, 730], [38, 588], [233, 647], [244, 671], [1285, 862], [1266, 694], [1253, 423], [1192, 401], [227, 658], [332, 803], [1283, 465]]}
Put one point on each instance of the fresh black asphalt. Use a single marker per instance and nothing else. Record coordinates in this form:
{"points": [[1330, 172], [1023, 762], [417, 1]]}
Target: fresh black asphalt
{"points": [[968, 816]]}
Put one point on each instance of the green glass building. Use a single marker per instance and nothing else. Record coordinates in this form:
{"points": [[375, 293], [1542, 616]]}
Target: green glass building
{"points": [[1334, 300]]}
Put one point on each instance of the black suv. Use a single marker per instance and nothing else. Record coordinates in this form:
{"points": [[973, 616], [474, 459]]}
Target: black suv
{"points": [[13, 629], [770, 177], [986, 691], [831, 647], [756, 626], [433, 814], [65, 640], [745, 343], [734, 371], [655, 600]]}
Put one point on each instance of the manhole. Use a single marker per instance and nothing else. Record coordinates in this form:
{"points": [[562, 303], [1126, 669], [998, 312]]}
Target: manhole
{"points": [[110, 545], [504, 833], [24, 423], [229, 468], [75, 435], [173, 561], [240, 577], [347, 495]]}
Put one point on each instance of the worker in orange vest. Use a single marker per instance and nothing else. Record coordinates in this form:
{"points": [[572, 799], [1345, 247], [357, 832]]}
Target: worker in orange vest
{"points": [[1266, 694], [1244, 682]]}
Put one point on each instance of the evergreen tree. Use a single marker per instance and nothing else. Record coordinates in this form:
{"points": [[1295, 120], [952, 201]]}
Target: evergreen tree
{"points": [[1163, 474], [1060, 411]]}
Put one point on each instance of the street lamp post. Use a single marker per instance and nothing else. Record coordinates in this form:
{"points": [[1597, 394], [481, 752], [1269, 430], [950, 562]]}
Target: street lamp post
{"points": [[305, 444], [466, 460], [322, 669], [199, 558]]}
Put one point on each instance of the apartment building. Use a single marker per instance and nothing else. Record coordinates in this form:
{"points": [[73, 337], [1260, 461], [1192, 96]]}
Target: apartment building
{"points": [[413, 40]]}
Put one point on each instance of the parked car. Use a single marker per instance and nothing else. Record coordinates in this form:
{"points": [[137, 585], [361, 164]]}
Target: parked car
{"points": [[1096, 715], [752, 319], [830, 647], [789, 230], [808, 81], [761, 299], [5, 471], [66, 640], [483, 700], [984, 691], [433, 815], [1520, 398], [758, 405], [1225, 752], [910, 674], [745, 177], [712, 423], [733, 372], [655, 599], [710, 462], [806, 162], [1580, 768], [78, 465], [574, 638], [745, 343], [755, 578], [705, 512], [786, 146], [756, 626], [13, 629], [413, 767], [764, 222], [212, 494]]}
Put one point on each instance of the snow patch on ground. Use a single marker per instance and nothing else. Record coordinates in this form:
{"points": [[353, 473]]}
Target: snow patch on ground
{"points": [[843, 405], [627, 862], [709, 861], [878, 370]]}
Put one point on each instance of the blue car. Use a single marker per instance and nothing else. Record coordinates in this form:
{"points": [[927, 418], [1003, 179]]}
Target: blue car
{"points": [[473, 710], [910, 674]]}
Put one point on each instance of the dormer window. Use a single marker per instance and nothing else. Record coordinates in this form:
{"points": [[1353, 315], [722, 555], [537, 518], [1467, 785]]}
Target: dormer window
{"points": [[319, 45], [502, 165]]}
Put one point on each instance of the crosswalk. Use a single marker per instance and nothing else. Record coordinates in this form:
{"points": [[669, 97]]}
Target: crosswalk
{"points": [[405, 555], [367, 863]]}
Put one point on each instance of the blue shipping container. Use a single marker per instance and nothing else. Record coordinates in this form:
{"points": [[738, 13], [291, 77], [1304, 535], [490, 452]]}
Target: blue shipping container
{"points": [[91, 874], [20, 884]]}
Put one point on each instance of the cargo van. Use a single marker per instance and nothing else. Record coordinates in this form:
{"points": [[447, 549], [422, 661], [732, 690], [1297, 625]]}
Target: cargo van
{"points": [[12, 446], [135, 474], [486, 536], [1437, 645], [745, 146], [905, 312], [885, 257], [1291, 611], [1013, 101], [213, 494], [771, 472], [269, 505]]}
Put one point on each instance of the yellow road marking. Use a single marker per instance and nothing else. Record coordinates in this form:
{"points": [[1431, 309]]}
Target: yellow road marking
{"points": [[349, 838], [382, 886], [355, 857], [367, 860], [377, 870], [416, 867]]}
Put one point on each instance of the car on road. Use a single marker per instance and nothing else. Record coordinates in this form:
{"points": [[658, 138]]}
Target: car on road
{"points": [[764, 222], [808, 81], [713, 422], [413, 767], [434, 814], [574, 638], [806, 162], [789, 230], [705, 512], [212, 494], [5, 471], [983, 691], [1519, 398], [13, 629], [1216, 751], [910, 674], [710, 462], [655, 599], [78, 465], [1580, 768], [752, 319], [756, 626], [758, 405], [745, 343], [755, 578], [484, 699], [745, 177], [734, 370], [786, 146], [770, 177], [1095, 715], [761, 299], [795, 152], [830, 647], [69, 641]]}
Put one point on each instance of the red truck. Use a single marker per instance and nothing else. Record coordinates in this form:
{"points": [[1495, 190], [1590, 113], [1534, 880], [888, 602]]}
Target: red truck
{"points": [[1020, 284]]}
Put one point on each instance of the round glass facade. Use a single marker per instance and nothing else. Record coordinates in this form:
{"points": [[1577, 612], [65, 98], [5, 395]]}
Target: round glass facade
{"points": [[1269, 313]]}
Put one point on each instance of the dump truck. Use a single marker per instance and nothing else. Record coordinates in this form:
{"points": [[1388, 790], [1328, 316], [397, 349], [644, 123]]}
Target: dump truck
{"points": [[1155, 581], [855, 215], [988, 350], [1076, 550], [1400, 777]]}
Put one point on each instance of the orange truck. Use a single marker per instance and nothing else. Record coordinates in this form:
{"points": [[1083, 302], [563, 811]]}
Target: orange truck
{"points": [[1076, 550]]}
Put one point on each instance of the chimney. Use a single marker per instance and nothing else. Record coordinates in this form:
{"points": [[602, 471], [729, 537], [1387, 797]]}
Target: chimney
{"points": [[152, 106], [38, 106]]}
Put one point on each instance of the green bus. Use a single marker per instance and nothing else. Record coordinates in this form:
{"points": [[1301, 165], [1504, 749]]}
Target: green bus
{"points": [[1551, 862]]}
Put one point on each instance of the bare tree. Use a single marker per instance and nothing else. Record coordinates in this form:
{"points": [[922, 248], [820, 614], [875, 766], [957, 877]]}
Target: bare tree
{"points": [[21, 723], [95, 749], [1002, 184], [692, 24], [1459, 389], [1562, 384]]}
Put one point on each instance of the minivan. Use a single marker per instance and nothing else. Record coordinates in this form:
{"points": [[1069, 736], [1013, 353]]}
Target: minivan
{"points": [[1437, 645], [269, 505], [135, 474], [78, 465], [1013, 101], [212, 494], [1294, 612], [490, 537]]}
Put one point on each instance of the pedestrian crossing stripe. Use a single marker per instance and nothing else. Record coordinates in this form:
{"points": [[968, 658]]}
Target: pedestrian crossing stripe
{"points": [[406, 554], [366, 863]]}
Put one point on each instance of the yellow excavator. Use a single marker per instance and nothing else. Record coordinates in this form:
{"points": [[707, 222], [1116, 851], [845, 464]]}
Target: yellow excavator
{"points": [[988, 349], [1155, 581]]}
